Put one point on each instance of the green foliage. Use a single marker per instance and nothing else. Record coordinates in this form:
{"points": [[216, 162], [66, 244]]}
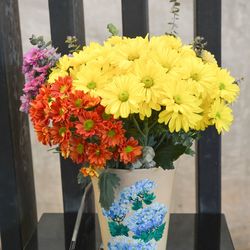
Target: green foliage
{"points": [[82, 180], [107, 184], [199, 45], [73, 45], [39, 41], [117, 229], [148, 198], [112, 29], [156, 234], [166, 154], [137, 204], [159, 232]]}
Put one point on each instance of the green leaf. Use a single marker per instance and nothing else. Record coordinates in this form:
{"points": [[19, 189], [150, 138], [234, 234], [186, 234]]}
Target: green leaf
{"points": [[112, 29], [117, 229], [145, 236], [107, 184], [82, 180], [137, 204], [148, 198], [165, 155], [159, 232]]}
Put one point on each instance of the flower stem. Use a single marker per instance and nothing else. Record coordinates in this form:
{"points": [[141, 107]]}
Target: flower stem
{"points": [[138, 127], [161, 141]]}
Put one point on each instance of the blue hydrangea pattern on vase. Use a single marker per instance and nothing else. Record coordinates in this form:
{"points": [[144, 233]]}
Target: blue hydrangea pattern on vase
{"points": [[125, 243], [135, 220]]}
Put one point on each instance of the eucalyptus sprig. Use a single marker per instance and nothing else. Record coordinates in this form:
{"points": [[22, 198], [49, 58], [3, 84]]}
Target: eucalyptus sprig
{"points": [[199, 44], [175, 11], [39, 41], [112, 29], [73, 45]]}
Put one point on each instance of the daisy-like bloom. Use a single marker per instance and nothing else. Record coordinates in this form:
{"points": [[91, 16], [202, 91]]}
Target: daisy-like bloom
{"points": [[64, 148], [112, 133], [98, 154], [60, 133], [226, 88], [201, 76], [79, 101], [152, 77], [169, 59], [207, 57], [88, 123], [58, 110], [165, 41], [77, 150], [89, 79], [125, 54], [182, 107], [61, 87], [130, 151], [56, 73], [221, 115], [90, 171], [43, 133], [122, 96]]}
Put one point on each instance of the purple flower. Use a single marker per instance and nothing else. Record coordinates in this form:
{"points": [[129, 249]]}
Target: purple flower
{"points": [[36, 65]]}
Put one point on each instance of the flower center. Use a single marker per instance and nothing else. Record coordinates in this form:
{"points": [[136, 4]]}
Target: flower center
{"points": [[98, 152], [218, 115], [91, 85], [78, 103], [62, 89], [148, 81], [79, 148], [128, 149], [195, 77], [111, 133], [61, 111], [62, 131], [123, 96], [177, 99], [88, 124], [222, 86], [133, 57]]}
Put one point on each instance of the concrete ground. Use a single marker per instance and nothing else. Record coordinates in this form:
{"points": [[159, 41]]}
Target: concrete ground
{"points": [[235, 157]]}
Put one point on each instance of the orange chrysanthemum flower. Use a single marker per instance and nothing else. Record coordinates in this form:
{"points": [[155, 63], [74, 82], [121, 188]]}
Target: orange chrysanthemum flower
{"points": [[77, 150], [112, 133], [79, 101], [89, 172], [130, 151], [88, 124], [60, 133], [43, 134], [61, 87], [59, 110], [98, 155]]}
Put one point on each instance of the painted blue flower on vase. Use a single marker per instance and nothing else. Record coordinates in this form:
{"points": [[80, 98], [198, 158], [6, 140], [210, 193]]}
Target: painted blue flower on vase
{"points": [[135, 220]]}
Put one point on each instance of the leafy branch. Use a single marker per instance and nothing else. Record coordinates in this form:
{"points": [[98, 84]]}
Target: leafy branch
{"points": [[199, 45], [73, 45]]}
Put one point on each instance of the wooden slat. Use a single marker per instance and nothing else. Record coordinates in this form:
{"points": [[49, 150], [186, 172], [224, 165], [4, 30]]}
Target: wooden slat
{"points": [[135, 18], [18, 216], [207, 23]]}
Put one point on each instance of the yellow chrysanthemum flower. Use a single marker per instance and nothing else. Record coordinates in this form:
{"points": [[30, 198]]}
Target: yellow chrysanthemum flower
{"points": [[55, 73], [201, 76], [221, 115], [182, 107], [208, 57], [122, 96], [165, 41], [125, 54], [90, 80], [226, 88]]}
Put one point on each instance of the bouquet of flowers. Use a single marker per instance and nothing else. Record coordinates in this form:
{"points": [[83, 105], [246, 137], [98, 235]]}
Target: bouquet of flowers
{"points": [[129, 103]]}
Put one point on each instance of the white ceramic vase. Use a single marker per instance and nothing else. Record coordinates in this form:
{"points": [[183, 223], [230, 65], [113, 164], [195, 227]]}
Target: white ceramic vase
{"points": [[139, 216]]}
